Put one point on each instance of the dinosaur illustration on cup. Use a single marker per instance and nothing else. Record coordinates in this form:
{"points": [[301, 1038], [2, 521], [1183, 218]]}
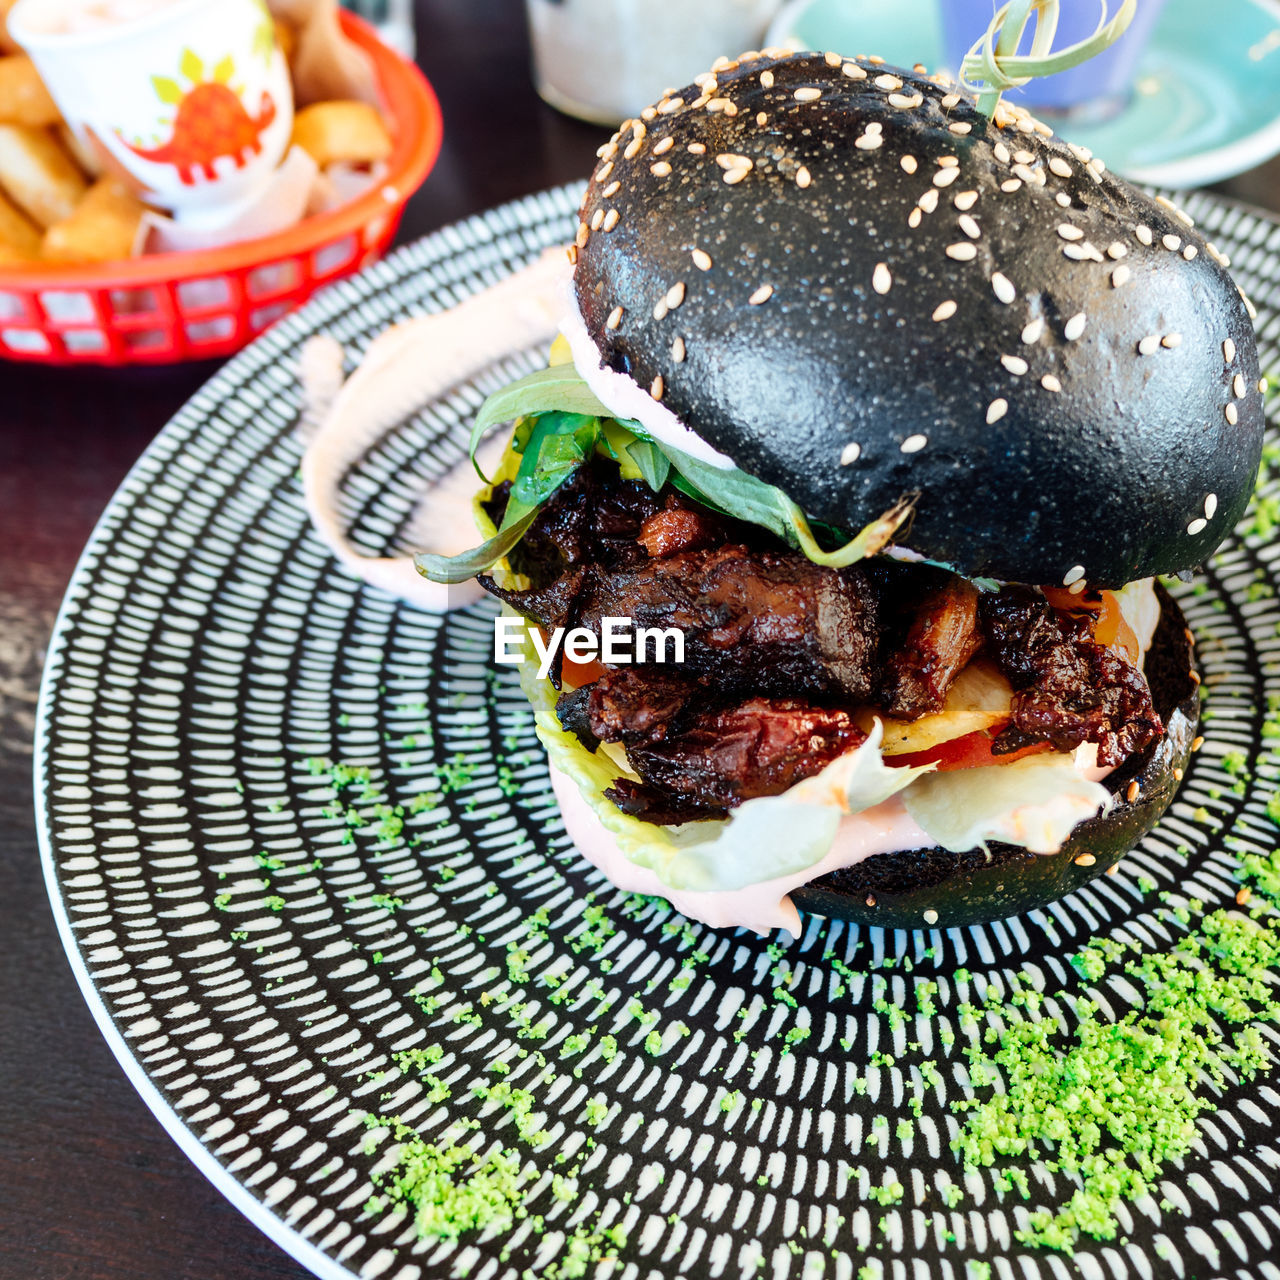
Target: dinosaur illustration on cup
{"points": [[210, 121]]}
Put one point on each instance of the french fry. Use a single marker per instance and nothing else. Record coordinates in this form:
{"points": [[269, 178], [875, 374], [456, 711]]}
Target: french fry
{"points": [[38, 175], [104, 227], [334, 132], [7, 42], [23, 97], [286, 39], [19, 236], [89, 161]]}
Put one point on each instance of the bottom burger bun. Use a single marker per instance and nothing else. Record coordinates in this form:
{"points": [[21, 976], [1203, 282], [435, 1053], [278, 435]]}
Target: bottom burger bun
{"points": [[932, 888]]}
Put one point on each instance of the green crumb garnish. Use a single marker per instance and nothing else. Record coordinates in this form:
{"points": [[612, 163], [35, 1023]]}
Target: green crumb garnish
{"points": [[448, 1188], [731, 1101], [796, 1035], [583, 1250], [575, 1044], [1261, 872], [1273, 807], [1117, 1101], [890, 1193], [455, 774], [1236, 764], [977, 1270]]}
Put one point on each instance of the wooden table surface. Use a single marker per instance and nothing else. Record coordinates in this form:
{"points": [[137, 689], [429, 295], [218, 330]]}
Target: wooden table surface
{"points": [[90, 1185]]}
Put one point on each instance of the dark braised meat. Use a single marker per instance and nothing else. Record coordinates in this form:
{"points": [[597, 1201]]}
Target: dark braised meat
{"points": [[550, 606], [941, 636], [680, 526], [720, 758], [1067, 689], [652, 804], [765, 621], [628, 704], [779, 651], [594, 518]]}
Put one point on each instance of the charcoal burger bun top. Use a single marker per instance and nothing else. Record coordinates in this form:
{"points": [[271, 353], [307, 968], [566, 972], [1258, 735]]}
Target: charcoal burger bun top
{"points": [[848, 281]]}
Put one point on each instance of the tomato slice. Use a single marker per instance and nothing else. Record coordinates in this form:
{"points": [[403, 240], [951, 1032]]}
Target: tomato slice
{"points": [[1112, 631], [972, 751], [1109, 628], [576, 674], [573, 675], [1061, 598]]}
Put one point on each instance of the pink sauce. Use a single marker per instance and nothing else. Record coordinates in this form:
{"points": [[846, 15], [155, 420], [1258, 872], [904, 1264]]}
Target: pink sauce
{"points": [[68, 17], [763, 907]]}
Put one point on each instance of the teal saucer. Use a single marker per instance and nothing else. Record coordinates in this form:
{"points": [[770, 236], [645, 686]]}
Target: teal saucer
{"points": [[1206, 103]]}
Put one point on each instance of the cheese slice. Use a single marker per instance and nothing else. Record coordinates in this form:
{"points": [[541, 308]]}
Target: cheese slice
{"points": [[980, 698]]}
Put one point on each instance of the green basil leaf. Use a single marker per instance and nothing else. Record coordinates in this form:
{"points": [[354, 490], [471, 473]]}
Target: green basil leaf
{"points": [[561, 423], [459, 568], [654, 465], [743, 496], [557, 446], [558, 388], [733, 493]]}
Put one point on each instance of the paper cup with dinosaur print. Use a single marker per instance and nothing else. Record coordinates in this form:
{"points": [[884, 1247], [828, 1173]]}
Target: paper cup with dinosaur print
{"points": [[188, 99]]}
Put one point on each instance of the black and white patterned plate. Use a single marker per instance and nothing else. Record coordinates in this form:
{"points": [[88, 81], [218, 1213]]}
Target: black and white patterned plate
{"points": [[257, 962]]}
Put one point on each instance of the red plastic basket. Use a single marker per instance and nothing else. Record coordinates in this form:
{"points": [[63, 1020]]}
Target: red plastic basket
{"points": [[169, 307]]}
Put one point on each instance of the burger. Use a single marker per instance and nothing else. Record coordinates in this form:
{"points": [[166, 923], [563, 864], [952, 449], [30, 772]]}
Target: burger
{"points": [[895, 414]]}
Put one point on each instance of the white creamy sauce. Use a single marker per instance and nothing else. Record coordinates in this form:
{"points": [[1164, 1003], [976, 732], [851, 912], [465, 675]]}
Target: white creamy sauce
{"points": [[764, 906], [403, 369], [624, 398]]}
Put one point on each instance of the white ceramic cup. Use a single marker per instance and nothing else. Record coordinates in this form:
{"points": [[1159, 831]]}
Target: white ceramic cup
{"points": [[605, 60], [190, 99]]}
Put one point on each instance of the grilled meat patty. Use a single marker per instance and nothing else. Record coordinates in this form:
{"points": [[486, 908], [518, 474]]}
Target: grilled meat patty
{"points": [[780, 652]]}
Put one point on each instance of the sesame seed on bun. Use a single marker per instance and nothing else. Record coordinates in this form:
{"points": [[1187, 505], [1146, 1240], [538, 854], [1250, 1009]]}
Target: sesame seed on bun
{"points": [[849, 282]]}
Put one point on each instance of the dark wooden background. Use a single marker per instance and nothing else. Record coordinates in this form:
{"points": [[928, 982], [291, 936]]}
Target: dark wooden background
{"points": [[91, 1187]]}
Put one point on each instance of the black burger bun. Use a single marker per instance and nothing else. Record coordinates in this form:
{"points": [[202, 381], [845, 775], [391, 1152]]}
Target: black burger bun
{"points": [[931, 888], [855, 285]]}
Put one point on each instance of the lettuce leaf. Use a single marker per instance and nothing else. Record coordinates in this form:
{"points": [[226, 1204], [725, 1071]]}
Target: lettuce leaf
{"points": [[1035, 802], [762, 839], [560, 423]]}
